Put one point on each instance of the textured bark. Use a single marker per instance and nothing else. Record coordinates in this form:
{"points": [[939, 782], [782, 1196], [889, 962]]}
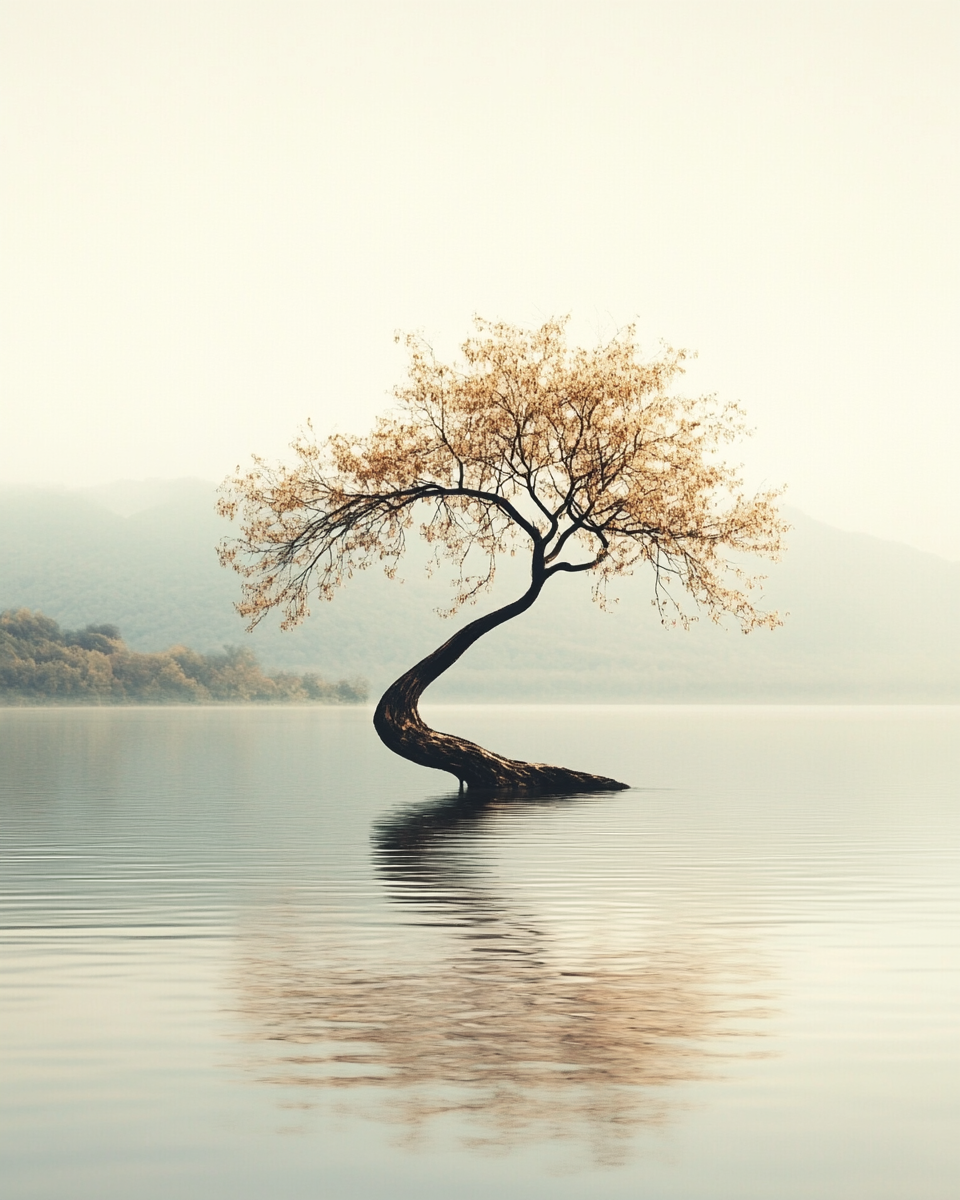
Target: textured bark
{"points": [[402, 729]]}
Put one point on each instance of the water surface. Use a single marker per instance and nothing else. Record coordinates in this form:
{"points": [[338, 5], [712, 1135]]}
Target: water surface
{"points": [[248, 952]]}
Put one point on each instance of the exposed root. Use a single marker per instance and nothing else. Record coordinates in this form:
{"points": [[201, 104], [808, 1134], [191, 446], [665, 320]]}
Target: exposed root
{"points": [[403, 730]]}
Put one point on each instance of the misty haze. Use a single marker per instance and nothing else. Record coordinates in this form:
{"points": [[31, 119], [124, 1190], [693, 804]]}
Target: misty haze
{"points": [[479, 600]]}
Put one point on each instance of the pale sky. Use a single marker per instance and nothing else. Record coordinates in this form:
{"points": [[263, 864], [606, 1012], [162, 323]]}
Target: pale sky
{"points": [[215, 216]]}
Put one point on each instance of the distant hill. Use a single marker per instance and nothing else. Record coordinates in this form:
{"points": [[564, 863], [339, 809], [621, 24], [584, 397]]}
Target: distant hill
{"points": [[870, 621]]}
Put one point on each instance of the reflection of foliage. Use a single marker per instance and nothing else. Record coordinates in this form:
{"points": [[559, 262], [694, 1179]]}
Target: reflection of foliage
{"points": [[39, 662], [506, 1025]]}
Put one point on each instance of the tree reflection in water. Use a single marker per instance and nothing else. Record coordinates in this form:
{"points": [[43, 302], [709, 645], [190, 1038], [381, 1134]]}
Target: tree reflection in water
{"points": [[473, 1006]]}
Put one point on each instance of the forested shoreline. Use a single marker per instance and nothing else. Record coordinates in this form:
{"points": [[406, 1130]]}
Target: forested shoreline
{"points": [[40, 663]]}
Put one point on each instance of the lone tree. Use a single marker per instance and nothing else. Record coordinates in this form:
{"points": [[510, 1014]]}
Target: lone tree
{"points": [[582, 458]]}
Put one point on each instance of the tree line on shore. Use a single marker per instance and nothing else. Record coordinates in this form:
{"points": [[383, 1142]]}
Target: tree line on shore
{"points": [[40, 663]]}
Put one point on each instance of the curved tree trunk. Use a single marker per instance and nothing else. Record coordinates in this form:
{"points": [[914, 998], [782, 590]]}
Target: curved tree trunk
{"points": [[402, 729]]}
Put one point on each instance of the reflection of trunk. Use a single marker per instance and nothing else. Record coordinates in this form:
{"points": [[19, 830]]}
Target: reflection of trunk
{"points": [[402, 729]]}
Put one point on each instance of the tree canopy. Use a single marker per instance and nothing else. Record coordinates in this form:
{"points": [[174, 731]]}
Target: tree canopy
{"points": [[586, 455], [587, 459]]}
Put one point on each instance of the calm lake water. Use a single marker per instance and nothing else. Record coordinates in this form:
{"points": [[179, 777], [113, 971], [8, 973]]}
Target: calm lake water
{"points": [[248, 953]]}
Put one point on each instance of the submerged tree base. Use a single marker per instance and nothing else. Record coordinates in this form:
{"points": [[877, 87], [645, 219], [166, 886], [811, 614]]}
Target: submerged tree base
{"points": [[402, 730]]}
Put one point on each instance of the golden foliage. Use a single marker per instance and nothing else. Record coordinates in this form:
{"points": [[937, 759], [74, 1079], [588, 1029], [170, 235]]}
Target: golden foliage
{"points": [[587, 456]]}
